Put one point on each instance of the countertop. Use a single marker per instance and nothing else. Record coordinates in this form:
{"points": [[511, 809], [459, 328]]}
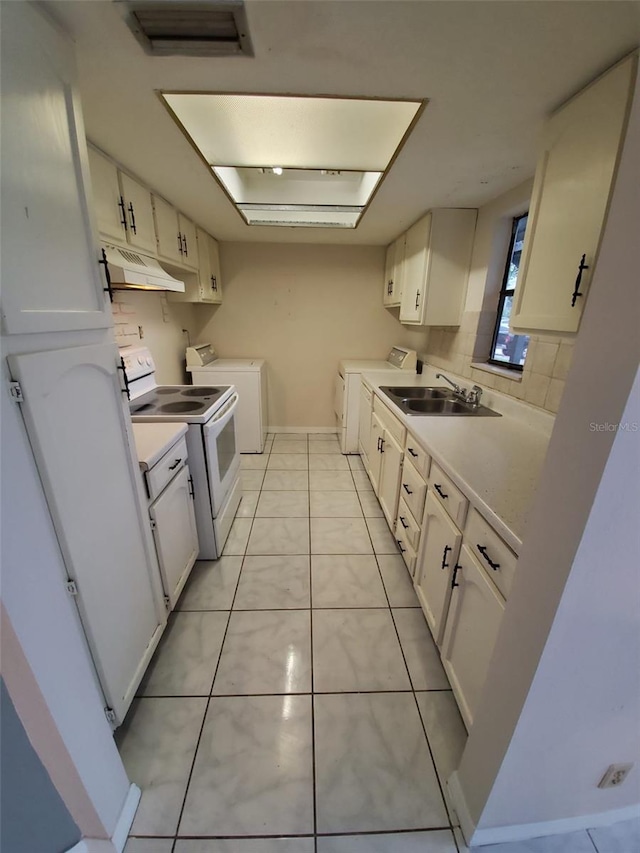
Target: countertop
{"points": [[153, 441], [496, 462]]}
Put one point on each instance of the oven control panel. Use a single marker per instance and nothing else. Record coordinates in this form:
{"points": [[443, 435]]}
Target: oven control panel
{"points": [[137, 361]]}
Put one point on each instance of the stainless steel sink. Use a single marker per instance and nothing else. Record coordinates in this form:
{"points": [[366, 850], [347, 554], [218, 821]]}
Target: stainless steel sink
{"points": [[434, 401]]}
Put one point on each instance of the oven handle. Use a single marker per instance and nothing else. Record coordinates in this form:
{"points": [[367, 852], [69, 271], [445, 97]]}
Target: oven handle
{"points": [[220, 418]]}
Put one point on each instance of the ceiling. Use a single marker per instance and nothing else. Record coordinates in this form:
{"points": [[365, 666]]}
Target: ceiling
{"points": [[491, 72]]}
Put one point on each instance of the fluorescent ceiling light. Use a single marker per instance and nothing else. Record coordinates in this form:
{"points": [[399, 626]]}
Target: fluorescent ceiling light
{"points": [[333, 151]]}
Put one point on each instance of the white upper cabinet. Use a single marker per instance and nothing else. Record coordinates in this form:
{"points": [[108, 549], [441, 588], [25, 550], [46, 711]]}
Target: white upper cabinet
{"points": [[167, 231], [393, 271], [573, 181], [122, 205], [51, 278], [437, 255], [206, 286], [187, 232]]}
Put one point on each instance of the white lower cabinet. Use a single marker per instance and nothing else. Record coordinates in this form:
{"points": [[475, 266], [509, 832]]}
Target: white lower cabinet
{"points": [[440, 548], [174, 531], [364, 425], [473, 622], [376, 434], [390, 471]]}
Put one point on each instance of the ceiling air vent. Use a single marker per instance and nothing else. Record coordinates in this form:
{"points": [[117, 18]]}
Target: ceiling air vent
{"points": [[191, 29]]}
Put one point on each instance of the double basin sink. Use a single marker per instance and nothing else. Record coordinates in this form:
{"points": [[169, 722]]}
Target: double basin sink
{"points": [[434, 401]]}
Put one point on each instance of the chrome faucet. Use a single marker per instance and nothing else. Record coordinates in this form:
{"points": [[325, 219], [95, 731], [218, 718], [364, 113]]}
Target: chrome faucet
{"points": [[472, 397]]}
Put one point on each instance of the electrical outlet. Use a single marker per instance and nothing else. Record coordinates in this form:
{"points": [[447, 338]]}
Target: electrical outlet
{"points": [[615, 775]]}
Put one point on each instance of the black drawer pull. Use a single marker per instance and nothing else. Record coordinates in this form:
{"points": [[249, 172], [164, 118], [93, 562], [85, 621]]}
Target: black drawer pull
{"points": [[175, 464], [576, 290], [403, 522], [439, 491], [407, 489], [445, 565], [412, 452], [456, 569], [483, 551], [400, 546]]}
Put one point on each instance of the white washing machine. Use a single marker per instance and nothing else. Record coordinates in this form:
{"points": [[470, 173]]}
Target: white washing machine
{"points": [[347, 390], [249, 375]]}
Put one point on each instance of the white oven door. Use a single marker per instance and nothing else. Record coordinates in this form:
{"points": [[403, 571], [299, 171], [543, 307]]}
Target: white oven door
{"points": [[223, 458]]}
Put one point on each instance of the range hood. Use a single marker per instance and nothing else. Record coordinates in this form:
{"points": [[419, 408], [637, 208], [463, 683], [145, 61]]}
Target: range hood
{"points": [[140, 272]]}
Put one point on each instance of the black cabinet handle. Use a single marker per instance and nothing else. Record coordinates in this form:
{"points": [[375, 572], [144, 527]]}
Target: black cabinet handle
{"points": [[407, 489], [445, 565], [403, 522], [108, 289], [214, 283], [126, 380], [576, 290], [382, 443], [483, 551], [133, 218], [192, 492], [412, 452], [180, 242], [184, 242], [417, 298], [400, 546], [175, 464], [390, 286], [123, 214], [456, 569], [379, 440], [438, 489]]}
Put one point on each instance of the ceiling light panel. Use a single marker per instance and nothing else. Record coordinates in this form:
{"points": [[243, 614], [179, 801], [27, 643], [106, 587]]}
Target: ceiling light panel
{"points": [[294, 132]]}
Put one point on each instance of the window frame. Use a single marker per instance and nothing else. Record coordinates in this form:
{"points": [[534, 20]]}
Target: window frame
{"points": [[506, 292]]}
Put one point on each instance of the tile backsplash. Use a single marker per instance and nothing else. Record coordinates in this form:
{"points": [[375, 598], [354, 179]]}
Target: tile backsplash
{"points": [[541, 383]]}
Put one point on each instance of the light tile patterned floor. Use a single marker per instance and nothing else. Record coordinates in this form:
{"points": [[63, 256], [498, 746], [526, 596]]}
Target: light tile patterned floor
{"points": [[297, 703]]}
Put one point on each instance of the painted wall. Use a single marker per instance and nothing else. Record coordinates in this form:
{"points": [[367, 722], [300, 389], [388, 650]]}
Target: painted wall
{"points": [[162, 323], [303, 308], [33, 814], [456, 349], [561, 697]]}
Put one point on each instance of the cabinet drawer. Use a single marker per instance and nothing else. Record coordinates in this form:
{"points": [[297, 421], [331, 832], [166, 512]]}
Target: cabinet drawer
{"points": [[413, 489], [389, 421], [407, 526], [420, 459], [408, 553], [448, 494], [164, 470], [496, 558]]}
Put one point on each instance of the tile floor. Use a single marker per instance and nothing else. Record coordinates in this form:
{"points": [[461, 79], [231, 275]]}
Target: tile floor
{"points": [[296, 703]]}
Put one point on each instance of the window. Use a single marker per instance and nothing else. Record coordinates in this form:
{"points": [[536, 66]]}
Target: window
{"points": [[507, 349]]}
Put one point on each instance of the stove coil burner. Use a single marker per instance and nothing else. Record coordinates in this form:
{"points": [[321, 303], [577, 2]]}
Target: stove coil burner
{"points": [[201, 391], [181, 406], [167, 390]]}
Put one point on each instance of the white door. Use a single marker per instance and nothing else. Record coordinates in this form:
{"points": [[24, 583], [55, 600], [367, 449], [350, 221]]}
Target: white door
{"points": [[141, 231], [175, 533], [107, 198], [375, 456], [472, 627], [189, 244], [51, 279], [81, 438], [415, 271], [438, 556], [390, 474], [167, 232]]}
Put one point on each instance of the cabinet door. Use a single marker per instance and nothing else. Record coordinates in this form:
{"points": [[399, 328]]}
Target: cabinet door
{"points": [[472, 627], [214, 269], [175, 534], [390, 474], [415, 271], [439, 551], [570, 197], [397, 278], [108, 201], [168, 234], [189, 245], [82, 442], [140, 232], [375, 456], [387, 293], [51, 279]]}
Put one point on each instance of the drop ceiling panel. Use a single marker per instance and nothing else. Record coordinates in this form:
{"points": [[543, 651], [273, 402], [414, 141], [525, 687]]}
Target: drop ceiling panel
{"points": [[295, 132]]}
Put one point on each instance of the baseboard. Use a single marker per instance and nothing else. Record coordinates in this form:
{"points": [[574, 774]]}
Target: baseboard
{"points": [[524, 832], [120, 834], [303, 430]]}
